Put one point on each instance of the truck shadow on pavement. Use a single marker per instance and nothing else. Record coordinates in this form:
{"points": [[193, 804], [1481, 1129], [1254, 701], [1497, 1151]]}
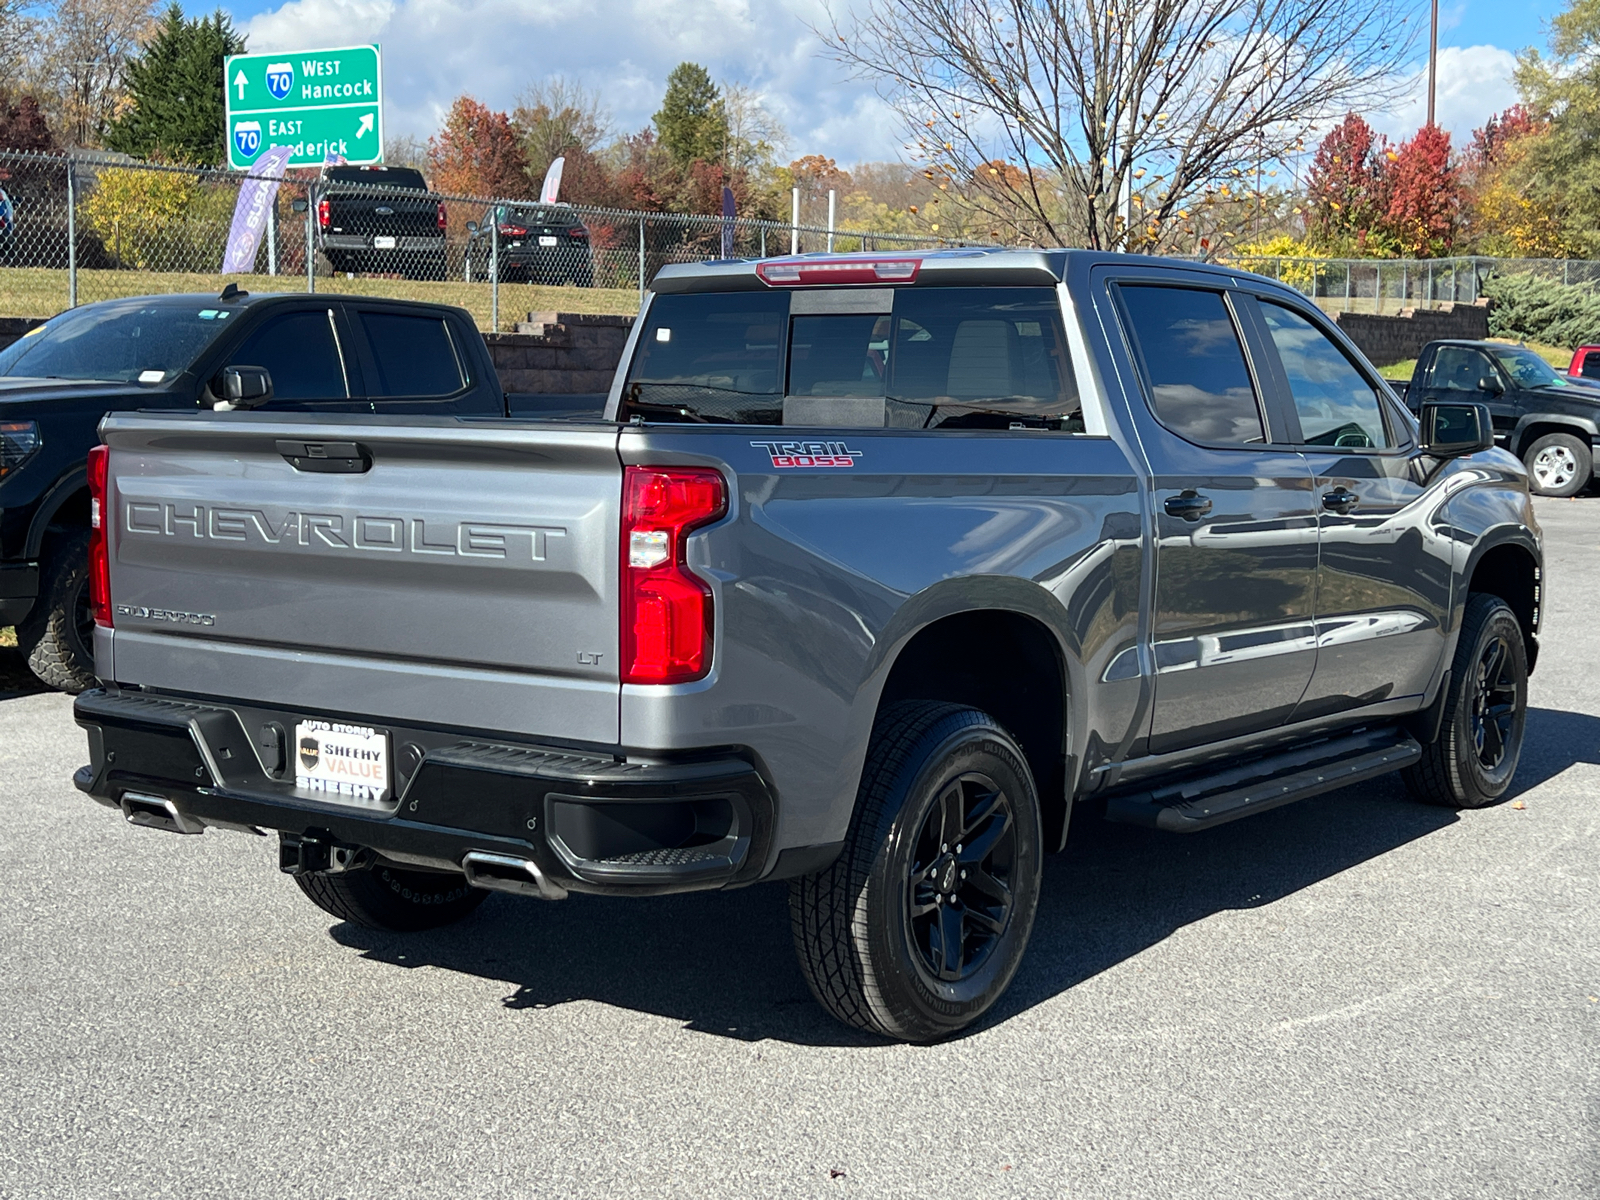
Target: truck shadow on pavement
{"points": [[15, 678], [722, 963]]}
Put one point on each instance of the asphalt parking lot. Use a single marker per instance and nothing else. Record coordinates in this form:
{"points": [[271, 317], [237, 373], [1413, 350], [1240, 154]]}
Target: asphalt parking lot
{"points": [[1353, 996]]}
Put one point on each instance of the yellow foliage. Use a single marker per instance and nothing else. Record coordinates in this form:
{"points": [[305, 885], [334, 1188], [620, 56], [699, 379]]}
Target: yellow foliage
{"points": [[134, 213], [1263, 258], [1510, 223]]}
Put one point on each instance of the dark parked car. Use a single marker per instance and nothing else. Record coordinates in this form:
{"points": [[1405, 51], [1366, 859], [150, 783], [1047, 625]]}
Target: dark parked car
{"points": [[380, 221], [320, 354], [878, 575], [1549, 420], [533, 243]]}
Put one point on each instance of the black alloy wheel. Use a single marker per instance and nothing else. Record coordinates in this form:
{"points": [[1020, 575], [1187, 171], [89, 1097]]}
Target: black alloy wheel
{"points": [[918, 927], [1471, 762], [960, 899], [1494, 703]]}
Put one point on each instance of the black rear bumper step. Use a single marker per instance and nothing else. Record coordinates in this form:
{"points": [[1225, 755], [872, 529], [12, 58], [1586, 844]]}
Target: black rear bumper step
{"points": [[588, 822], [1265, 783]]}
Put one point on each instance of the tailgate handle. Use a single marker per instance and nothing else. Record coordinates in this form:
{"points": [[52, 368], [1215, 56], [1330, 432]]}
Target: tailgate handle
{"points": [[327, 458]]}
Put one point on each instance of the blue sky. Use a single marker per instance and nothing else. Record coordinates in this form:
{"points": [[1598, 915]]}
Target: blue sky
{"points": [[435, 49]]}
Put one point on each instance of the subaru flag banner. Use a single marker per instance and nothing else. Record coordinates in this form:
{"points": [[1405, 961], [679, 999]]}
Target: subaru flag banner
{"points": [[256, 196], [552, 181], [727, 222]]}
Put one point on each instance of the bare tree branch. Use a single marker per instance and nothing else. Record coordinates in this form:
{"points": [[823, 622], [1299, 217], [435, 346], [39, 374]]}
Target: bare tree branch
{"points": [[1056, 119]]}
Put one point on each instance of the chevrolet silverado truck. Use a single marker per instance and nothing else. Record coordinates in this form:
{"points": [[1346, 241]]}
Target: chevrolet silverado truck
{"points": [[1549, 420], [877, 570], [321, 354]]}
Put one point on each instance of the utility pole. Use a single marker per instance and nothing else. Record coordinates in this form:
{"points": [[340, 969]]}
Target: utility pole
{"points": [[1433, 56]]}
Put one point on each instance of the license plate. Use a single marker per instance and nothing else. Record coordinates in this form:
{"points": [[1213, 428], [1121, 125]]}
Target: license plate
{"points": [[383, 243], [344, 762], [549, 241]]}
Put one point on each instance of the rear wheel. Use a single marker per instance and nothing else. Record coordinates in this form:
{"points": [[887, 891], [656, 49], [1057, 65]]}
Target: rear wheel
{"points": [[1472, 761], [1559, 464], [918, 927], [384, 897], [58, 636]]}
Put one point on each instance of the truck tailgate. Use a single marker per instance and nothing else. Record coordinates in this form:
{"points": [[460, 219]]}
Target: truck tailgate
{"points": [[467, 577]]}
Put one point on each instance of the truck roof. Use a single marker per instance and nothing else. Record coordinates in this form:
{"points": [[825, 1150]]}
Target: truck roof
{"points": [[972, 265]]}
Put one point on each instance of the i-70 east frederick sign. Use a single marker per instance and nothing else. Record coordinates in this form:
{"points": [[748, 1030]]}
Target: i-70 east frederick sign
{"points": [[320, 102]]}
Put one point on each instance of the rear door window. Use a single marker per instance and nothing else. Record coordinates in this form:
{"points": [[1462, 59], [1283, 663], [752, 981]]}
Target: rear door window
{"points": [[1194, 364], [300, 350], [412, 355]]}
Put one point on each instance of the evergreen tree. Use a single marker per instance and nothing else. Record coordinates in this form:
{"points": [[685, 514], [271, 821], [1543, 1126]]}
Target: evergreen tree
{"points": [[176, 92], [692, 122]]}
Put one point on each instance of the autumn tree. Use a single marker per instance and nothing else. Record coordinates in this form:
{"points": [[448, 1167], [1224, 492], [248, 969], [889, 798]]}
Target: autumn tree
{"points": [[478, 153], [1346, 189], [86, 50], [1560, 167], [692, 123], [176, 107], [1508, 210], [23, 125], [1424, 191]]}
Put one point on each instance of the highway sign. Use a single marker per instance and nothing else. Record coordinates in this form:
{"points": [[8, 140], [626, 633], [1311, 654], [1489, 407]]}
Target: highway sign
{"points": [[322, 103]]}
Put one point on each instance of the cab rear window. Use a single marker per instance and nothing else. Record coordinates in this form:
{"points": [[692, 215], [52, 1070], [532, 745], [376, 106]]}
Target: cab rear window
{"points": [[911, 358]]}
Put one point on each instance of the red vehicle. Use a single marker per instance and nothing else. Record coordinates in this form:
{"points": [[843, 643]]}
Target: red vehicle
{"points": [[1585, 363]]}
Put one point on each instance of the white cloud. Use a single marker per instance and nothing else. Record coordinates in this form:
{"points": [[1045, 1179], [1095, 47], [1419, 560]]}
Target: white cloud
{"points": [[1474, 83], [433, 50]]}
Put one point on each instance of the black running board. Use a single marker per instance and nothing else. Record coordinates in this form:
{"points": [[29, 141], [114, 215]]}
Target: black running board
{"points": [[1260, 784]]}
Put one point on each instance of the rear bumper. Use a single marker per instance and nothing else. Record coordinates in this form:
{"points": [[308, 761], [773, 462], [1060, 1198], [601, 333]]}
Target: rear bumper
{"points": [[588, 822]]}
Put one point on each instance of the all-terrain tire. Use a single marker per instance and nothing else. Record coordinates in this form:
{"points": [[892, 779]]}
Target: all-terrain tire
{"points": [[1471, 762], [57, 639], [855, 923], [383, 897], [1559, 464]]}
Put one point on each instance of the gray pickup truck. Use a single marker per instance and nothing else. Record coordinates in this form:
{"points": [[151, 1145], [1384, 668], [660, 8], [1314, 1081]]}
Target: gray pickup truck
{"points": [[878, 569]]}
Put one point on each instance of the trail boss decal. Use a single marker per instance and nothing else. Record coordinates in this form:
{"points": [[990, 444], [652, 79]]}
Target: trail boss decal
{"points": [[809, 454]]}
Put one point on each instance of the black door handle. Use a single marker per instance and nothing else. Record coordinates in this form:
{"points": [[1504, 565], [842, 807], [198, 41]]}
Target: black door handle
{"points": [[1340, 500], [1191, 506]]}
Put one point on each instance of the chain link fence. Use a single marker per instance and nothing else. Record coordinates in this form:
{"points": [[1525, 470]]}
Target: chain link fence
{"points": [[73, 231], [1389, 285], [76, 230]]}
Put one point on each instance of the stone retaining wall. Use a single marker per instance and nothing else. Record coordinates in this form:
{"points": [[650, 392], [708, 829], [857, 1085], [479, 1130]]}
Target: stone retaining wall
{"points": [[1386, 340], [11, 328], [560, 354]]}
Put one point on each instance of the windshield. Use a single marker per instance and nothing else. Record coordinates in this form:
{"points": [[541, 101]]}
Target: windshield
{"points": [[130, 341], [1526, 368]]}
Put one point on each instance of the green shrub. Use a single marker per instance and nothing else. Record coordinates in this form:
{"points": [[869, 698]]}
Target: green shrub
{"points": [[1531, 309]]}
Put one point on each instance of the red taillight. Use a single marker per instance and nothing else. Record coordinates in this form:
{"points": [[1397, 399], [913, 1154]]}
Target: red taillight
{"points": [[579, 232], [666, 611], [99, 556], [443, 219], [324, 215], [794, 272], [513, 231]]}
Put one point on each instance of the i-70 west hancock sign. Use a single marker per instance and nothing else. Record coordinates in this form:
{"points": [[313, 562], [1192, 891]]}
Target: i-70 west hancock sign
{"points": [[321, 103]]}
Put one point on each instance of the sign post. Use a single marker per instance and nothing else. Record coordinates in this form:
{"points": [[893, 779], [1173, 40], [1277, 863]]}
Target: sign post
{"points": [[321, 104]]}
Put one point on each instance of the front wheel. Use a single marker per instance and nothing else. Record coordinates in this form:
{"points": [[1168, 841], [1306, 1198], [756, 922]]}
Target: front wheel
{"points": [[1559, 464], [58, 636], [1471, 762], [918, 927]]}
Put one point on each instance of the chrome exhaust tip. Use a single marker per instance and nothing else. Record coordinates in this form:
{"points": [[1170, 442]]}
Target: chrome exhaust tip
{"points": [[157, 812], [504, 873]]}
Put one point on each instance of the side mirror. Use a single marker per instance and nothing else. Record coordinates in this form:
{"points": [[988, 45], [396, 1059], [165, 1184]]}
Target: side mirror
{"points": [[1491, 385], [472, 229], [300, 204], [244, 387], [1453, 430]]}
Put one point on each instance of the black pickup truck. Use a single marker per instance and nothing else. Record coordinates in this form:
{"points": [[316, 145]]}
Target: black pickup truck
{"points": [[380, 221], [1549, 420], [314, 354]]}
